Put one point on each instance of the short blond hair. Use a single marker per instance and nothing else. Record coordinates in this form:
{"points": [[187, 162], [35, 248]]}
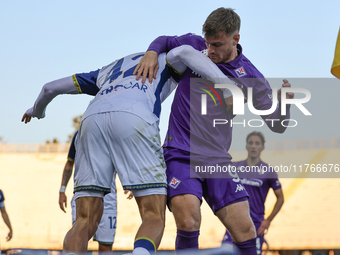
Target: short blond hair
{"points": [[222, 20]]}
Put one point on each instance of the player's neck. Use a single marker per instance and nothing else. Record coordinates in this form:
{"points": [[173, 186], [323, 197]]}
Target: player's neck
{"points": [[234, 54], [253, 161]]}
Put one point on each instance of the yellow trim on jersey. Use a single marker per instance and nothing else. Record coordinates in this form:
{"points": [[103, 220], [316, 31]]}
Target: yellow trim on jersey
{"points": [[173, 68], [139, 238], [70, 159], [76, 83]]}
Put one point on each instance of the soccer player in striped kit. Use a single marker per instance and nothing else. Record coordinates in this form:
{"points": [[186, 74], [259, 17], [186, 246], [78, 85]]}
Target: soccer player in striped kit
{"points": [[105, 234], [119, 132]]}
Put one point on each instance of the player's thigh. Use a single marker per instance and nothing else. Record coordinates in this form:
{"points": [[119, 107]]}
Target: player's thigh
{"points": [[236, 218], [136, 151], [89, 208], [152, 206]]}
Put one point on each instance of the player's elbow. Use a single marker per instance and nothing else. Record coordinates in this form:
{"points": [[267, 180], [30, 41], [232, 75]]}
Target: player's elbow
{"points": [[48, 90]]}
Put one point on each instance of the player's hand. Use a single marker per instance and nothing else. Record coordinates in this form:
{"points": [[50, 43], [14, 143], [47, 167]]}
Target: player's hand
{"points": [[130, 194], [9, 236], [26, 118], [148, 65], [289, 95], [29, 114], [263, 229], [62, 201]]}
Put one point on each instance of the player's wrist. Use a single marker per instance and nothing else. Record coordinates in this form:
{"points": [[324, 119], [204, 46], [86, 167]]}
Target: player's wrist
{"points": [[62, 189]]}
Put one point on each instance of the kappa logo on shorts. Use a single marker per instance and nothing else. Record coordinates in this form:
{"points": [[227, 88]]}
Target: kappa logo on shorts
{"points": [[239, 187], [174, 182], [240, 71]]}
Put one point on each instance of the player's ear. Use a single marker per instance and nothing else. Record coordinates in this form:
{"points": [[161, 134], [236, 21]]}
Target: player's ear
{"points": [[236, 38]]}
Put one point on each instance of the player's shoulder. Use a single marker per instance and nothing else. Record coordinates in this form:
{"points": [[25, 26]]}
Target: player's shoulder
{"points": [[192, 39]]}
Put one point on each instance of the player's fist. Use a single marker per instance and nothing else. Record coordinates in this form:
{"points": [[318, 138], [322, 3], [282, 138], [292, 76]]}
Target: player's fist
{"points": [[289, 95]]}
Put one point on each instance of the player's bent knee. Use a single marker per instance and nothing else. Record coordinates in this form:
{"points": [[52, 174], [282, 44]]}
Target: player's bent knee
{"points": [[187, 213], [188, 224]]}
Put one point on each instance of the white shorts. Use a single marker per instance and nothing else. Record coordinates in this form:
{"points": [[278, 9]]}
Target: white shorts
{"points": [[106, 231], [121, 142]]}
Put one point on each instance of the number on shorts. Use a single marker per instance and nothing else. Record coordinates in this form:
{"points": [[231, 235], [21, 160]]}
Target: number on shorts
{"points": [[112, 222]]}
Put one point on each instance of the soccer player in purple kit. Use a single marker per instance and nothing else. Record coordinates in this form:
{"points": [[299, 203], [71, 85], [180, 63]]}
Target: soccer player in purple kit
{"points": [[191, 137], [257, 179]]}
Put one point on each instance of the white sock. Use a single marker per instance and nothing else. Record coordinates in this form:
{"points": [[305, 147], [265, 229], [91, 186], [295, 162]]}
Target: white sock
{"points": [[140, 251]]}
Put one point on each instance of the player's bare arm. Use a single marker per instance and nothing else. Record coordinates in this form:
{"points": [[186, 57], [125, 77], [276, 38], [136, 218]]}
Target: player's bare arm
{"points": [[147, 66], [67, 173], [7, 222], [263, 229]]}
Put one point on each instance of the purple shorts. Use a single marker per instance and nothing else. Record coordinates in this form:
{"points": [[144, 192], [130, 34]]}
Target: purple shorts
{"points": [[218, 192]]}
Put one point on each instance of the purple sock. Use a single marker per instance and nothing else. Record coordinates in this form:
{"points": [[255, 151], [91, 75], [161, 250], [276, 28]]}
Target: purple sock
{"points": [[247, 247], [187, 239]]}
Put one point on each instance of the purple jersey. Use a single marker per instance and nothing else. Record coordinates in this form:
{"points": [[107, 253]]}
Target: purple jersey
{"points": [[188, 129], [257, 187]]}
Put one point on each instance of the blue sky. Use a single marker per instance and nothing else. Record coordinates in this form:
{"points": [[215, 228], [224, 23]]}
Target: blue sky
{"points": [[45, 40]]}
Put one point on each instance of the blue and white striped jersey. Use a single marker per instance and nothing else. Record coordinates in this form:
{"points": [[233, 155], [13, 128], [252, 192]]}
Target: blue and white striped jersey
{"points": [[116, 89]]}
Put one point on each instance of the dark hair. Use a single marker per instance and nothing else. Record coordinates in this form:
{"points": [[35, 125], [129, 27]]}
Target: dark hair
{"points": [[259, 134], [222, 20]]}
